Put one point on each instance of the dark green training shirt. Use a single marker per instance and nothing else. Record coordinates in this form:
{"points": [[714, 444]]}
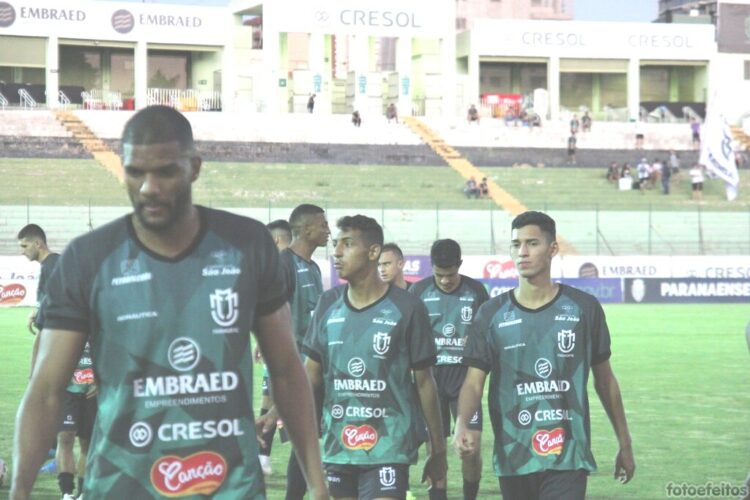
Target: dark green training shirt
{"points": [[171, 351], [371, 409], [539, 362], [304, 285], [450, 314]]}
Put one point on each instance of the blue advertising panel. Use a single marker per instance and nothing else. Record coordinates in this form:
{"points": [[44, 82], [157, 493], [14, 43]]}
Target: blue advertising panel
{"points": [[687, 290], [606, 290]]}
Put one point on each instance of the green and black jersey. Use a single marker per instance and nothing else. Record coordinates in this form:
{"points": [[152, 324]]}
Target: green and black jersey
{"points": [[450, 314], [539, 362], [371, 409], [45, 270], [83, 375], [304, 286], [171, 351]]}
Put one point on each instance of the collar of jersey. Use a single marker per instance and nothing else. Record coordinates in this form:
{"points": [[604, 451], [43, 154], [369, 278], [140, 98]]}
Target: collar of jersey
{"points": [[181, 255], [538, 309]]}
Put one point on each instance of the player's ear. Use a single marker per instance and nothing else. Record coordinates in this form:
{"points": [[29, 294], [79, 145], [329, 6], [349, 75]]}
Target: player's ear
{"points": [[375, 250], [195, 167], [554, 248]]}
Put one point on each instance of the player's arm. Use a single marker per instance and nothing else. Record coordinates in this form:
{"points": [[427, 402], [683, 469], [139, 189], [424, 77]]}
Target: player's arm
{"points": [[39, 413], [608, 390], [315, 374], [469, 399], [292, 395], [436, 465]]}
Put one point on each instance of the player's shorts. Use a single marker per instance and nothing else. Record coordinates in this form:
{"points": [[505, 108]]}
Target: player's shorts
{"points": [[449, 379], [366, 482], [697, 186], [546, 485], [79, 414]]}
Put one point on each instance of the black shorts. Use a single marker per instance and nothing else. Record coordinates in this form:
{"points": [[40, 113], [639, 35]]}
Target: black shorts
{"points": [[546, 485], [449, 379], [366, 482], [697, 186], [79, 414]]}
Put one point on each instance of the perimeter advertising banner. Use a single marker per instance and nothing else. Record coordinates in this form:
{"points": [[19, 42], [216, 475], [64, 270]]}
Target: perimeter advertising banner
{"points": [[607, 290], [687, 290], [18, 281]]}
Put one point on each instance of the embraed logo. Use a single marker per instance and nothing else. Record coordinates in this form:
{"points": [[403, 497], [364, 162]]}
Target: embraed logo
{"points": [[356, 367], [201, 473], [184, 354], [123, 21], [543, 367], [7, 14]]}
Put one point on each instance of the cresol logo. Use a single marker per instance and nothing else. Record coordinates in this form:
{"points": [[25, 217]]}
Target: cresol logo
{"points": [[201, 473]]}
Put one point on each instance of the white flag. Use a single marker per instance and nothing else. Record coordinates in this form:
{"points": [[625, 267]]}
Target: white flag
{"points": [[716, 148]]}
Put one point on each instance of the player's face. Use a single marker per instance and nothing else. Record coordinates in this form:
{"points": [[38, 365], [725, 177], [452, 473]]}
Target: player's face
{"points": [[29, 248], [531, 251], [447, 279], [318, 230], [352, 255], [390, 266], [159, 179]]}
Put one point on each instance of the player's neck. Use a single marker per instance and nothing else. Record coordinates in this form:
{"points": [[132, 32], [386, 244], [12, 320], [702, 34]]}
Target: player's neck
{"points": [[43, 254], [536, 292], [400, 282], [366, 289], [174, 240], [303, 248]]}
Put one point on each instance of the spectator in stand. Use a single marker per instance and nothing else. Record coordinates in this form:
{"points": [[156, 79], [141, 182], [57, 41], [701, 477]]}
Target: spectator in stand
{"points": [[535, 120], [391, 113], [484, 188], [511, 117], [696, 179], [471, 188], [472, 115], [586, 122], [311, 103], [644, 173], [695, 128], [613, 172], [625, 171], [656, 170], [574, 125], [666, 175], [674, 162], [572, 149], [356, 119]]}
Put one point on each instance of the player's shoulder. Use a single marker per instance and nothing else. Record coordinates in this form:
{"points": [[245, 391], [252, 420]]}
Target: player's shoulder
{"points": [[473, 284], [231, 225], [94, 245], [331, 296], [495, 304], [584, 300], [421, 286], [405, 300]]}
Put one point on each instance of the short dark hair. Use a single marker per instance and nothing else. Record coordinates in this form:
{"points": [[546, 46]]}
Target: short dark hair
{"points": [[295, 219], [157, 125], [280, 225], [32, 231], [392, 247], [445, 253], [533, 218], [369, 227]]}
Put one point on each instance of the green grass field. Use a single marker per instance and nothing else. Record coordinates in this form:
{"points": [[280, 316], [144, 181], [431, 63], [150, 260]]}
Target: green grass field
{"points": [[84, 182], [683, 370]]}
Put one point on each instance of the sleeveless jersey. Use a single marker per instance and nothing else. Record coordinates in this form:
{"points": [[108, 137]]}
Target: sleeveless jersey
{"points": [[304, 285], [539, 362], [371, 409], [171, 351], [450, 314]]}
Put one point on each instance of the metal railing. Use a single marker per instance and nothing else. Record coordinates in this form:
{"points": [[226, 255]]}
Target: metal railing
{"points": [[3, 101], [63, 99], [26, 100], [102, 99], [185, 99]]}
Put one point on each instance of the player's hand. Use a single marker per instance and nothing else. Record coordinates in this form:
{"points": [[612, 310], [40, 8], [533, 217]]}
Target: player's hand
{"points": [[435, 467], [264, 424], [30, 324], [624, 465], [465, 442]]}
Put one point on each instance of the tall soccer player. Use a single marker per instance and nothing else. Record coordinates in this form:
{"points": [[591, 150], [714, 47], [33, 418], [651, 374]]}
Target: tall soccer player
{"points": [[167, 297], [452, 300], [365, 341], [391, 266], [539, 342], [305, 285]]}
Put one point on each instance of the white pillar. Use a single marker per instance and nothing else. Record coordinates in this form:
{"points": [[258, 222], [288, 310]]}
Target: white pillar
{"points": [[272, 71], [403, 68], [634, 88], [228, 78], [448, 63], [473, 90], [52, 74], [359, 63], [553, 87], [140, 63], [316, 56]]}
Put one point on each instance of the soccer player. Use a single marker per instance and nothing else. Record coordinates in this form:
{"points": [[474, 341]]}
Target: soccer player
{"points": [[365, 340], [538, 342], [305, 285], [167, 297], [391, 266], [281, 232], [452, 300], [33, 242]]}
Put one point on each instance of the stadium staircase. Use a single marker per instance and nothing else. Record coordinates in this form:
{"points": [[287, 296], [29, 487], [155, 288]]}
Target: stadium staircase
{"points": [[467, 170], [93, 144], [741, 137]]}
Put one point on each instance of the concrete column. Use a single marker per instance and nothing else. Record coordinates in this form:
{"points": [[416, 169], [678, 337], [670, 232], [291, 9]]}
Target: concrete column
{"points": [[448, 63], [553, 87], [52, 72], [634, 88], [320, 78], [228, 78], [596, 93], [405, 82], [140, 68], [474, 89]]}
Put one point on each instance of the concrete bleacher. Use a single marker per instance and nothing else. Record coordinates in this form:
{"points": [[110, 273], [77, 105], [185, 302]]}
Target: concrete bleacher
{"points": [[31, 123]]}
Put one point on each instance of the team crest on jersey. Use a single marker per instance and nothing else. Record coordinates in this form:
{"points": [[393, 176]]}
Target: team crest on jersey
{"points": [[201, 473], [566, 341], [224, 307], [381, 342], [466, 313], [387, 476]]}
